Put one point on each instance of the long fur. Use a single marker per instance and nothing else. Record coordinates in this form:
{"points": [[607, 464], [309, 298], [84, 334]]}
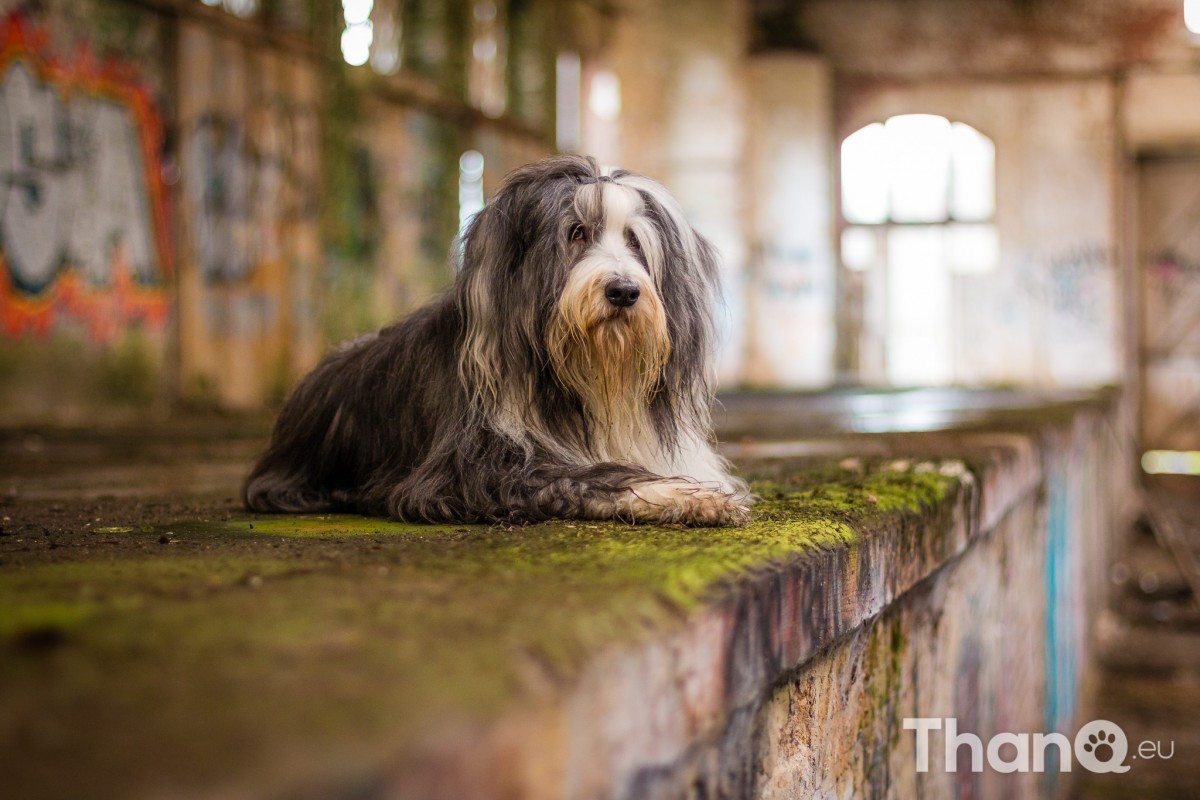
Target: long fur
{"points": [[524, 393]]}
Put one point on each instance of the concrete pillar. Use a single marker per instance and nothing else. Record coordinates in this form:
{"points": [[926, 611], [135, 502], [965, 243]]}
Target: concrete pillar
{"points": [[791, 274]]}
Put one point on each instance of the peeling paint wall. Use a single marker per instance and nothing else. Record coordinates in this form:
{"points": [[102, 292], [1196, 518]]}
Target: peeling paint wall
{"points": [[943, 651], [711, 106], [317, 204], [1068, 92], [1059, 91], [1161, 123], [414, 160]]}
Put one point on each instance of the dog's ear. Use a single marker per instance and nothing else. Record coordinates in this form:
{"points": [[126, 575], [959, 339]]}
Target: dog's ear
{"points": [[493, 247], [489, 249]]}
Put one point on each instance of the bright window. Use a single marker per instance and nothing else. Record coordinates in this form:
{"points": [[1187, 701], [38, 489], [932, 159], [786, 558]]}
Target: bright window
{"points": [[918, 202]]}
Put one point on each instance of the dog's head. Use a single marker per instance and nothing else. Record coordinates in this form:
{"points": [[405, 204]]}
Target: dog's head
{"points": [[593, 280]]}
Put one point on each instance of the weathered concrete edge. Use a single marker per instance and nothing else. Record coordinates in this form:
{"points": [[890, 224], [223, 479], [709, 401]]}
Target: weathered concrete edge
{"points": [[660, 701], [636, 710]]}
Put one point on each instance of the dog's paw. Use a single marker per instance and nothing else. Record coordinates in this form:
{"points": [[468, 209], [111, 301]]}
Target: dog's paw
{"points": [[686, 503]]}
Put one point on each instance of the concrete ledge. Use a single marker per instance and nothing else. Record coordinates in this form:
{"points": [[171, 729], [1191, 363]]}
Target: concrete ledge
{"points": [[342, 657]]}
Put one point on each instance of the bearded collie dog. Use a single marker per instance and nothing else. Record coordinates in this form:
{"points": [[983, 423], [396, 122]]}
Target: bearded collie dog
{"points": [[566, 373]]}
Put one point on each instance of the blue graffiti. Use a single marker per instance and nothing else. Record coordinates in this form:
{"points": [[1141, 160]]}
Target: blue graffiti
{"points": [[1061, 634]]}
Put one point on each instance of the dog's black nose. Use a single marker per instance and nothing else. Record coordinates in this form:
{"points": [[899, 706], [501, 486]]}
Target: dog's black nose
{"points": [[622, 292]]}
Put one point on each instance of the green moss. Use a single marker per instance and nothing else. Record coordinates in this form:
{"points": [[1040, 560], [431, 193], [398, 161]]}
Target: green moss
{"points": [[881, 672], [69, 593], [897, 652], [363, 628], [324, 526], [797, 514]]}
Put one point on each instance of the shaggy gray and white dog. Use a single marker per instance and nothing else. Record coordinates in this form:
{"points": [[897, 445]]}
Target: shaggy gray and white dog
{"points": [[567, 373]]}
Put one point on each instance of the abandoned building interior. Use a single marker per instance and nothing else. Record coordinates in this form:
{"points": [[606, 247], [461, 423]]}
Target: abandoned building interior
{"points": [[958, 360]]}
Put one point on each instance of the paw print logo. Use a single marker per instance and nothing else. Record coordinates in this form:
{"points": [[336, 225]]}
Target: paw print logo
{"points": [[1100, 746]]}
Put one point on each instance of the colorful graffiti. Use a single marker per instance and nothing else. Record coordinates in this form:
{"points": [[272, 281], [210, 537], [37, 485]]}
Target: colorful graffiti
{"points": [[83, 216]]}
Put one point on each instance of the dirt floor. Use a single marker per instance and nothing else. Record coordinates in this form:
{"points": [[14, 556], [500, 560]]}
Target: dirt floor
{"points": [[80, 495]]}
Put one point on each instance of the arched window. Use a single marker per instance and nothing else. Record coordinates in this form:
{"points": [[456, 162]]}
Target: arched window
{"points": [[918, 203]]}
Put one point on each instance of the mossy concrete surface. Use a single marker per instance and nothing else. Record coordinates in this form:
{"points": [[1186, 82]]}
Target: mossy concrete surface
{"points": [[204, 655], [157, 641]]}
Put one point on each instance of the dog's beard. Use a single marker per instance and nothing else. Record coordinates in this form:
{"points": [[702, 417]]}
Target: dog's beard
{"points": [[610, 357]]}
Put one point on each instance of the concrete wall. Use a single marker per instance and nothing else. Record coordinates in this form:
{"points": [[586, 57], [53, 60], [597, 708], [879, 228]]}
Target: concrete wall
{"points": [[1161, 109], [796, 682], [250, 255], [790, 295], [199, 205], [980, 613], [999, 640]]}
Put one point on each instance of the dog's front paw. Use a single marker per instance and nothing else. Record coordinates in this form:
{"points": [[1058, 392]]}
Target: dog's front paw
{"points": [[702, 507], [686, 503]]}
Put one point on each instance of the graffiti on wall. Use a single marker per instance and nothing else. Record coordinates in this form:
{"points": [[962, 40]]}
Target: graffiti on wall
{"points": [[254, 187], [83, 228], [1070, 283], [252, 177], [1076, 276]]}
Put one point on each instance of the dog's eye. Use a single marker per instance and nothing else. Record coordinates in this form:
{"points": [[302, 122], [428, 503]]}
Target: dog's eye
{"points": [[577, 232], [632, 240]]}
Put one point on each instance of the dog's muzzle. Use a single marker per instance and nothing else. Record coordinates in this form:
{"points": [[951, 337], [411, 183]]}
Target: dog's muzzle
{"points": [[622, 292]]}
